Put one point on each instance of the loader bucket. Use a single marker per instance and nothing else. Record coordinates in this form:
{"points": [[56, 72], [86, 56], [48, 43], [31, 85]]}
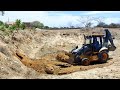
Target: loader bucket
{"points": [[65, 57], [111, 48]]}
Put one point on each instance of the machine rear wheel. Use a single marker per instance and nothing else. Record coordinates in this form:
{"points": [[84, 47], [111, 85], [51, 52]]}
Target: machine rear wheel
{"points": [[103, 57], [85, 61]]}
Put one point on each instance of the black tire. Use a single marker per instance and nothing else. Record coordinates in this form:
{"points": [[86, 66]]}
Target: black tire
{"points": [[103, 56], [77, 59], [85, 61]]}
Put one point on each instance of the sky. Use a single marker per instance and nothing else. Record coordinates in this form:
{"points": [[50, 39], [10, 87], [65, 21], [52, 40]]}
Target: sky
{"points": [[61, 18]]}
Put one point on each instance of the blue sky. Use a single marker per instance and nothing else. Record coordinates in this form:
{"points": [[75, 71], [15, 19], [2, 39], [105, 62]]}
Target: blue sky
{"points": [[61, 18]]}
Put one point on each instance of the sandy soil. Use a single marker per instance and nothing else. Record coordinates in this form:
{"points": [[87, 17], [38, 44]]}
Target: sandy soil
{"points": [[38, 49]]}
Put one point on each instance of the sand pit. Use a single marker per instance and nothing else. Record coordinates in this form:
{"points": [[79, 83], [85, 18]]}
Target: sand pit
{"points": [[33, 54]]}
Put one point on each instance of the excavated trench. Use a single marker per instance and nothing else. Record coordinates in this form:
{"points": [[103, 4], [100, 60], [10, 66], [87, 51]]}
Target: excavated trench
{"points": [[47, 66], [41, 50]]}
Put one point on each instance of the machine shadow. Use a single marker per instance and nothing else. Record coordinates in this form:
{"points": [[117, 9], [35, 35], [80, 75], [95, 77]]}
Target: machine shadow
{"points": [[96, 62], [110, 58]]}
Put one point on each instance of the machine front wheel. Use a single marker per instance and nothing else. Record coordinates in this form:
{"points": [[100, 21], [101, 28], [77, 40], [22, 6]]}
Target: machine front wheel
{"points": [[85, 61], [103, 57]]}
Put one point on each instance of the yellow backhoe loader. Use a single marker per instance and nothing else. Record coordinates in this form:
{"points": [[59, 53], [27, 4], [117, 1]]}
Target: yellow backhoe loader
{"points": [[95, 48]]}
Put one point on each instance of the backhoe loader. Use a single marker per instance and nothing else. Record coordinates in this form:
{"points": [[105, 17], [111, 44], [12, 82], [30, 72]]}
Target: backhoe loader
{"points": [[95, 48]]}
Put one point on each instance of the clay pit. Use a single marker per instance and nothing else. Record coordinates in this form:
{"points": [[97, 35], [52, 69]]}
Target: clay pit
{"points": [[50, 64]]}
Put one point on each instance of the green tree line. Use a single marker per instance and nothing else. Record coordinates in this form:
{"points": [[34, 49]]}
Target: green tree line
{"points": [[21, 25], [112, 25]]}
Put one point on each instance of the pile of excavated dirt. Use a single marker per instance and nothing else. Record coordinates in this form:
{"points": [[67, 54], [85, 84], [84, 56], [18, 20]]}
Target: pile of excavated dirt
{"points": [[33, 54]]}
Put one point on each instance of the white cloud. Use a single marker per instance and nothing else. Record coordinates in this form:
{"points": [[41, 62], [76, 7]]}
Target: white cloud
{"points": [[53, 18], [23, 15], [50, 18], [62, 20], [100, 12], [112, 20]]}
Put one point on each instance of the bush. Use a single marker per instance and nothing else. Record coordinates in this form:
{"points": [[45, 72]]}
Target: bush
{"points": [[101, 24], [2, 28], [1, 23], [37, 24], [13, 27], [6, 25], [18, 23], [113, 25], [46, 27], [22, 26]]}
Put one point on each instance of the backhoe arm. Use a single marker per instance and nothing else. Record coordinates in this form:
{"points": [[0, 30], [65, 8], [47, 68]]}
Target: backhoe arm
{"points": [[108, 37]]}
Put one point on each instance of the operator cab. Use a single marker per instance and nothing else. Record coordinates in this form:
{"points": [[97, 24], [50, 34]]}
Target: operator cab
{"points": [[95, 41]]}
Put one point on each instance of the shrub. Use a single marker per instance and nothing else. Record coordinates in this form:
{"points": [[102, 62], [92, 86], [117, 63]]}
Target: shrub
{"points": [[18, 23], [37, 24], [22, 26], [2, 28], [13, 27], [46, 27], [1, 23], [101, 24], [6, 25]]}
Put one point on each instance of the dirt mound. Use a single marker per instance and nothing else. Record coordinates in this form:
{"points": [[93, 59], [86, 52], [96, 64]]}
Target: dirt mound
{"points": [[65, 57]]}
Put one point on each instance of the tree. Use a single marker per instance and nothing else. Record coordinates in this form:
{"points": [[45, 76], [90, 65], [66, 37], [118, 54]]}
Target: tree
{"points": [[13, 27], [98, 19], [46, 27], [72, 27], [86, 21], [22, 26], [41, 25], [6, 25], [37, 24], [101, 24], [88, 25], [113, 25], [18, 23], [2, 27], [1, 23]]}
